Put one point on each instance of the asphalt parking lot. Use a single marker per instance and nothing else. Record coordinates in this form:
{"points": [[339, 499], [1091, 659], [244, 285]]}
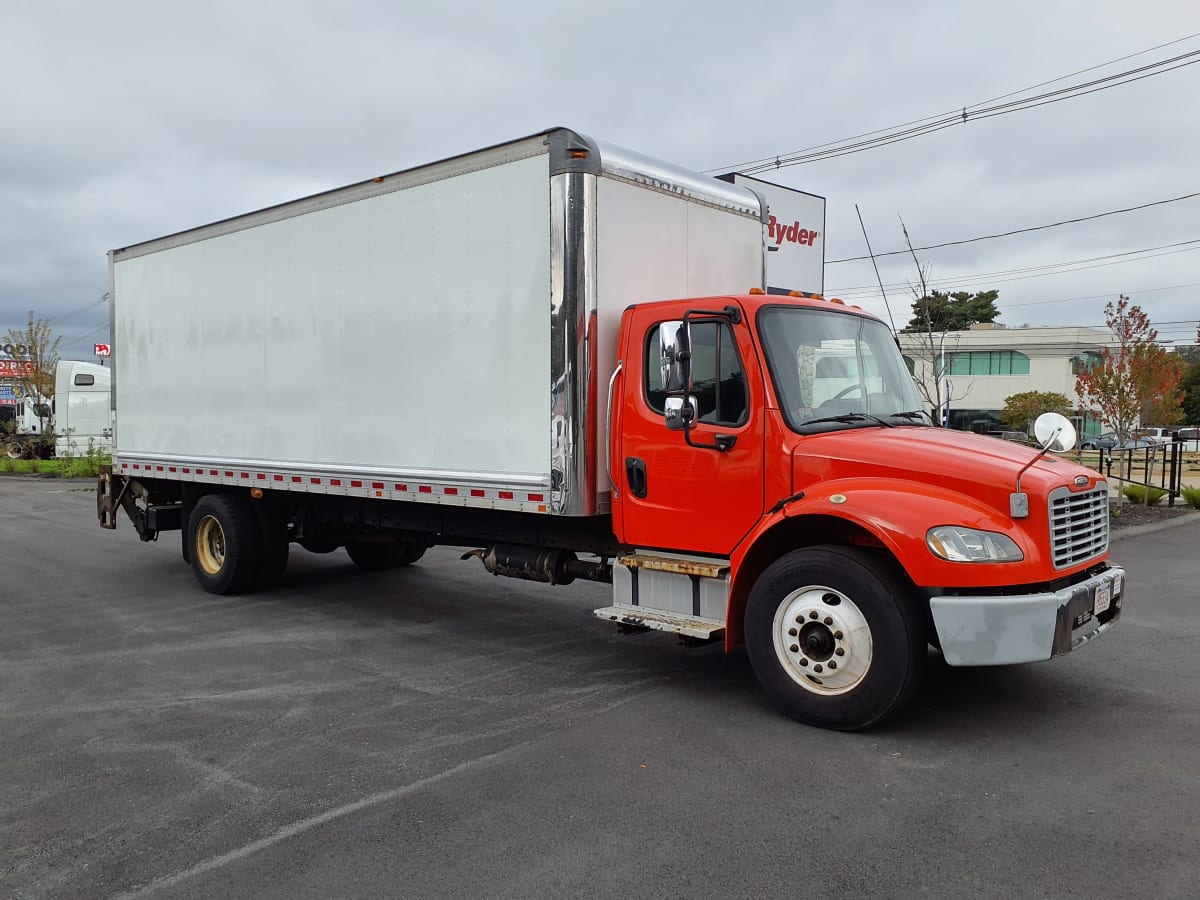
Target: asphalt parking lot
{"points": [[437, 732]]}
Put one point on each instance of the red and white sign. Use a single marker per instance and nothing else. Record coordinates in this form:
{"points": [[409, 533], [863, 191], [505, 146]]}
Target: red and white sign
{"points": [[103, 350], [795, 237], [17, 368]]}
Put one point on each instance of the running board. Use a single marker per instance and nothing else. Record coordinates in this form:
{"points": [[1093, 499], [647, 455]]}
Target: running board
{"points": [[635, 617]]}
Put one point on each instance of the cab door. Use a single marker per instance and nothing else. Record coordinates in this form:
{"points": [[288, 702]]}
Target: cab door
{"points": [[673, 495]]}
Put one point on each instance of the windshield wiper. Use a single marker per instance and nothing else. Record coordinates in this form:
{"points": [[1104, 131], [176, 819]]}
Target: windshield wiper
{"points": [[850, 418], [910, 414]]}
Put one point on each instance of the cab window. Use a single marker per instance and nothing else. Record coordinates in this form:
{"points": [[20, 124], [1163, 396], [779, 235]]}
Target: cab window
{"points": [[718, 377]]}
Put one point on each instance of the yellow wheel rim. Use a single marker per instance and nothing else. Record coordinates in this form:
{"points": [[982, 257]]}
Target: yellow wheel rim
{"points": [[210, 545]]}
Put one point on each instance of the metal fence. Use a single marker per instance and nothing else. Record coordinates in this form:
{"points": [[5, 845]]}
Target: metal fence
{"points": [[1158, 466]]}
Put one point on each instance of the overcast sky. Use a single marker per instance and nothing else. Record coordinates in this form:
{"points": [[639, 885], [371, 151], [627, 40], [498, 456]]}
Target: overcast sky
{"points": [[123, 121]]}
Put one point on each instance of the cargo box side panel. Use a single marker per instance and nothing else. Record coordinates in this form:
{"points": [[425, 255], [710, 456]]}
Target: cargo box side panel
{"points": [[654, 246], [403, 332]]}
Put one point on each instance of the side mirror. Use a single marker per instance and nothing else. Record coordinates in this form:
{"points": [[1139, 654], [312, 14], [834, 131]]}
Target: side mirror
{"points": [[680, 412], [1054, 432], [676, 346]]}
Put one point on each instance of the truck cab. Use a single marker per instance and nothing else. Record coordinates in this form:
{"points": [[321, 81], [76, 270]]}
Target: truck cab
{"points": [[829, 525]]}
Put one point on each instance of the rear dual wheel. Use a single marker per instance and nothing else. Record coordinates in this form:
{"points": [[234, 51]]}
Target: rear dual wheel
{"points": [[235, 545], [834, 637], [373, 557]]}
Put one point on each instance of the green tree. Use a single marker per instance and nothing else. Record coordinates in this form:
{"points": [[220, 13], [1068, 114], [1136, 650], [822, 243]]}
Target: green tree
{"points": [[1020, 410], [939, 312], [41, 349], [1135, 381]]}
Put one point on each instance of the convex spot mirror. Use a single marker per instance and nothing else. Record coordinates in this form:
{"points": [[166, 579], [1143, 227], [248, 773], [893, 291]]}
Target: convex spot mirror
{"points": [[680, 414], [1054, 432]]}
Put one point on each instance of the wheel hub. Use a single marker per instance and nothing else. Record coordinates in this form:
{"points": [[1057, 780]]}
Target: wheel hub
{"points": [[823, 640], [817, 641], [210, 545]]}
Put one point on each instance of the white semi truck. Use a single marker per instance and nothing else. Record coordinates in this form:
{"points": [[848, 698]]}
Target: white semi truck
{"points": [[497, 332], [79, 415]]}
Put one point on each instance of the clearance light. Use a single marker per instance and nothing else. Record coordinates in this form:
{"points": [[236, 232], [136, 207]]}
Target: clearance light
{"points": [[256, 493], [578, 154], [757, 291], [958, 544], [837, 301]]}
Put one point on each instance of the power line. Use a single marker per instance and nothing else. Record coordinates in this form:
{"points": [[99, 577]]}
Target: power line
{"points": [[1169, 287], [102, 298], [921, 127], [955, 280], [80, 337], [955, 112], [988, 237]]}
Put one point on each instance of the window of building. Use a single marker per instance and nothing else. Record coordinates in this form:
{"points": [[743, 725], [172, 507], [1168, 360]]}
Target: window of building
{"points": [[1085, 362], [989, 362]]}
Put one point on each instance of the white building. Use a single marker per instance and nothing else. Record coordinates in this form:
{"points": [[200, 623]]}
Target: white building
{"points": [[989, 363]]}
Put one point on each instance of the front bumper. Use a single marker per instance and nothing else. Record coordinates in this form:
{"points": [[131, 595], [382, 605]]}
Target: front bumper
{"points": [[995, 630]]}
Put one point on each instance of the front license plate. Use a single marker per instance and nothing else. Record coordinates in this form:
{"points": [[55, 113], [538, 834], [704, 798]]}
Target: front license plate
{"points": [[1103, 597]]}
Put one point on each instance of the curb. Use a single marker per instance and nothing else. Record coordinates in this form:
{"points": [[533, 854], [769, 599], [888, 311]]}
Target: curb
{"points": [[1151, 527]]}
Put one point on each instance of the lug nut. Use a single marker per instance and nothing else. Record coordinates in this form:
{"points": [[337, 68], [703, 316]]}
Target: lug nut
{"points": [[804, 661], [833, 664], [792, 632], [837, 635], [799, 620], [813, 614], [828, 620], [817, 667], [794, 648], [840, 652]]}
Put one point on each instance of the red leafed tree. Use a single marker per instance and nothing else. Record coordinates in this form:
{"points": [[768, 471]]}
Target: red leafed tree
{"points": [[1134, 381]]}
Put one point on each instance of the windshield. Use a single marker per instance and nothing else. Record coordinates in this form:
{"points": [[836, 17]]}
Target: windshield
{"points": [[833, 369]]}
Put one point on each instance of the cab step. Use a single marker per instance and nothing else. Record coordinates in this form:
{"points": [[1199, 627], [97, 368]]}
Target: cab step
{"points": [[688, 626]]}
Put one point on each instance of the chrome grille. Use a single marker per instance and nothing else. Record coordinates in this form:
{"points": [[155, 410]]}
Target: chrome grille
{"points": [[1078, 524]]}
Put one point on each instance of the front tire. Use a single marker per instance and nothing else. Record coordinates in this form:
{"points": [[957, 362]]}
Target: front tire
{"points": [[225, 543], [834, 637]]}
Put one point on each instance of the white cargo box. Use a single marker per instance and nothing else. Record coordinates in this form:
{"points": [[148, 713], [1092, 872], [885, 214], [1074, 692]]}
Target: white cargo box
{"points": [[443, 334]]}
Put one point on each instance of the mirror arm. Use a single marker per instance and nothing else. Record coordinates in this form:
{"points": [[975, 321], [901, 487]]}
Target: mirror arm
{"points": [[721, 442]]}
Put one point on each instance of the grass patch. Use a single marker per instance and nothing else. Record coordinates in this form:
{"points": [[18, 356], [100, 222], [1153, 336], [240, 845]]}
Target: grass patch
{"points": [[61, 467], [1137, 494], [1192, 496]]}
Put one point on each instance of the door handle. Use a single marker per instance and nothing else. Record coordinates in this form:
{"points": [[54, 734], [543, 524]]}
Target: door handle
{"points": [[635, 475]]}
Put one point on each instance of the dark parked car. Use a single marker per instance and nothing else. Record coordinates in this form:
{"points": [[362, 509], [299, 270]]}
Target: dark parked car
{"points": [[1105, 441]]}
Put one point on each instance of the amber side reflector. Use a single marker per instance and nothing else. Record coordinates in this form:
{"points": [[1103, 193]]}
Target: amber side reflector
{"points": [[578, 154], [256, 493], [757, 291], [377, 180]]}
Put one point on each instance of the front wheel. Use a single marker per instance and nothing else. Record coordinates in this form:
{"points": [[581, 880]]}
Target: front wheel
{"points": [[834, 637]]}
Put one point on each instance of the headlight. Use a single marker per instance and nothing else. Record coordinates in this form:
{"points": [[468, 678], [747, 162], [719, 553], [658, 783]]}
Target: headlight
{"points": [[958, 544]]}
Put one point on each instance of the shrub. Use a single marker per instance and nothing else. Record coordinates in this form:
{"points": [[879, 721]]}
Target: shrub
{"points": [[1137, 494], [1192, 496]]}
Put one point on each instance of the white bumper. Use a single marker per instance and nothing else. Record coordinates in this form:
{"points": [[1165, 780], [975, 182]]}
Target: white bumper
{"points": [[996, 630]]}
